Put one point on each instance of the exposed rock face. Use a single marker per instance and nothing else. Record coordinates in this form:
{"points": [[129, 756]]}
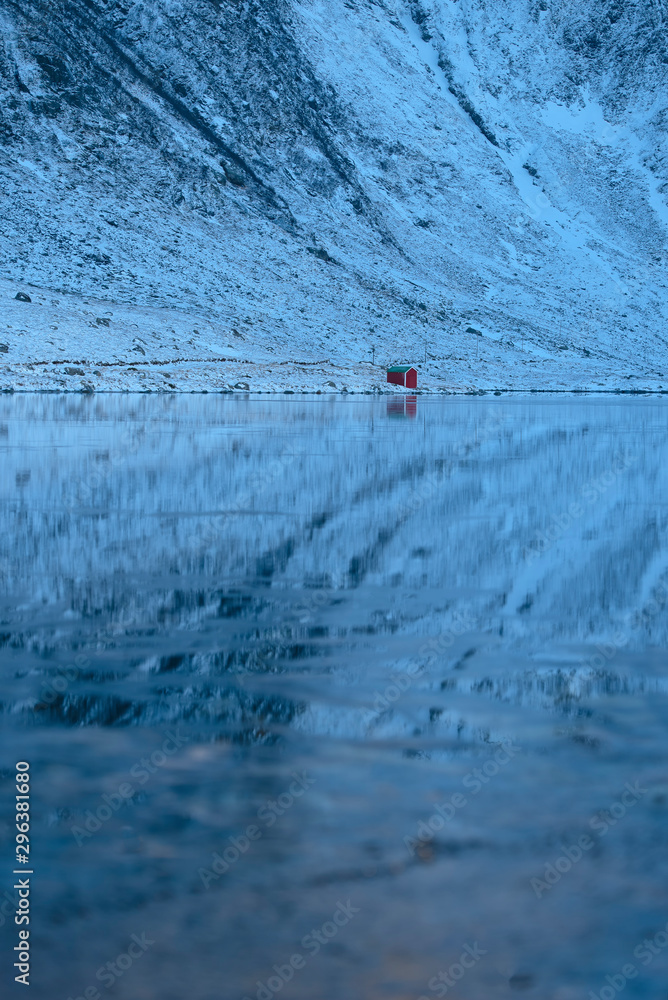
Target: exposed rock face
{"points": [[503, 163]]}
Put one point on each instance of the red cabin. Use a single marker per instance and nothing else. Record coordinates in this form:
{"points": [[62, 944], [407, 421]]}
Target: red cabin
{"points": [[403, 375]]}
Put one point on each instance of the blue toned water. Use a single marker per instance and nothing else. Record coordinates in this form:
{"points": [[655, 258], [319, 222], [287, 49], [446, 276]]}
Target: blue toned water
{"points": [[326, 696]]}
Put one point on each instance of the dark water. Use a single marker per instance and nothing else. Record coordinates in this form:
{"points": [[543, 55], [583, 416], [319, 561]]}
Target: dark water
{"points": [[279, 636]]}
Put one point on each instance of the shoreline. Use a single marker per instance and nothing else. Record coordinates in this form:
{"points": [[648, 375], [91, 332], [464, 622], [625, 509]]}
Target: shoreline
{"points": [[437, 393]]}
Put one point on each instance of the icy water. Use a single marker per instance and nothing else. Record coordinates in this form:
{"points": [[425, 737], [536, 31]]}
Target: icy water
{"points": [[326, 697]]}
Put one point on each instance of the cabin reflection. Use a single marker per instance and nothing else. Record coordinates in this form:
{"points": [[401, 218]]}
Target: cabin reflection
{"points": [[402, 406]]}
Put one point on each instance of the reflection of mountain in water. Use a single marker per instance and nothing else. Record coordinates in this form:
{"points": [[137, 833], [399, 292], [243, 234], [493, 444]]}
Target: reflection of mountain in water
{"points": [[187, 553], [314, 588]]}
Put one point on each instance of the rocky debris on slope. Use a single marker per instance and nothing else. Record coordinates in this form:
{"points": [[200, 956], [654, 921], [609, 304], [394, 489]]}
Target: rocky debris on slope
{"points": [[485, 163]]}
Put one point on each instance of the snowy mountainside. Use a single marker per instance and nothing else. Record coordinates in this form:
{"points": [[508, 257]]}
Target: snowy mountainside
{"points": [[229, 186]]}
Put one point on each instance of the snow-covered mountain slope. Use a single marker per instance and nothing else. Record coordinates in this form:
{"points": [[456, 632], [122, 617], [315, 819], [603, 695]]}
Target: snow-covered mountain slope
{"points": [[226, 186]]}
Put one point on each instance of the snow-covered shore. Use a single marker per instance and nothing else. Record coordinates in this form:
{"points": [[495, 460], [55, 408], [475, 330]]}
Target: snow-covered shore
{"points": [[64, 343]]}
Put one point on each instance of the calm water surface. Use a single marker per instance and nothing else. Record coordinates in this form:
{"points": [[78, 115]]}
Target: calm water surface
{"points": [[338, 680]]}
